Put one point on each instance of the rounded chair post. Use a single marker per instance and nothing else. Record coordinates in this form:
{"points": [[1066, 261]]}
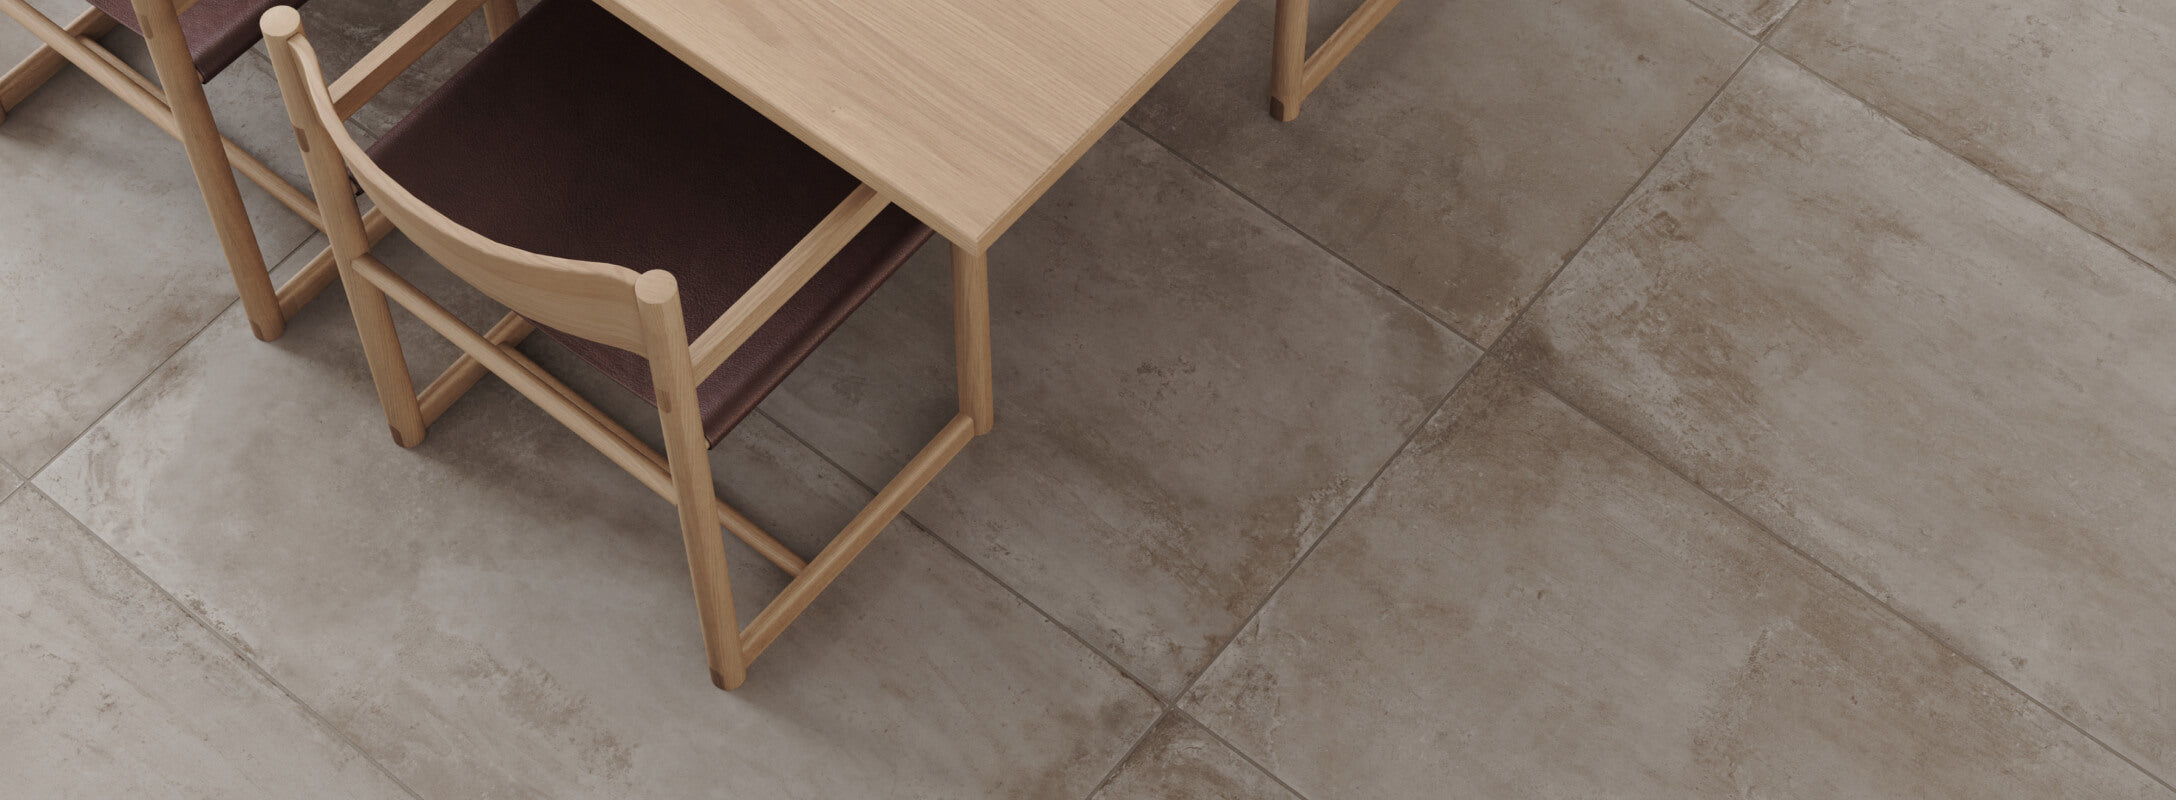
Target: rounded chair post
{"points": [[1288, 60], [687, 453], [498, 16], [343, 221], [184, 90]]}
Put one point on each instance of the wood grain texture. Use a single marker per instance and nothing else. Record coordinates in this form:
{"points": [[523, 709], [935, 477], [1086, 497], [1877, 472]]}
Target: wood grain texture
{"points": [[961, 111]]}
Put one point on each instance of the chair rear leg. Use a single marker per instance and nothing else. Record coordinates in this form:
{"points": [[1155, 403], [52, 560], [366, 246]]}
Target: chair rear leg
{"points": [[687, 454], [208, 159], [388, 365]]}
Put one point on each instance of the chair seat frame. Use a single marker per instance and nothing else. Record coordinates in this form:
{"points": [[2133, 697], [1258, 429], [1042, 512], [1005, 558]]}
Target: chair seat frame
{"points": [[682, 473], [176, 103]]}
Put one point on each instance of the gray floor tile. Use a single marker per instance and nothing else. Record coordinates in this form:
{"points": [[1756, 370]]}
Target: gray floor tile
{"points": [[8, 481], [1525, 606], [2069, 99], [1752, 16], [502, 613], [112, 691], [1187, 394], [111, 262], [1467, 148], [1928, 382], [1181, 761]]}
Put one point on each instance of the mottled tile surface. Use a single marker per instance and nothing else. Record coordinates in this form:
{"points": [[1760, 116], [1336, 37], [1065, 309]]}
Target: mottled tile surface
{"points": [[1187, 395], [113, 691], [1525, 606], [1921, 378], [1752, 16], [503, 613], [1922, 381], [110, 261], [1180, 760], [1466, 148], [2070, 100]]}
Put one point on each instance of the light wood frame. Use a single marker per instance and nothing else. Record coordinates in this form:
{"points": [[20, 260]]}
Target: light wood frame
{"points": [[616, 306], [177, 104], [1294, 72]]}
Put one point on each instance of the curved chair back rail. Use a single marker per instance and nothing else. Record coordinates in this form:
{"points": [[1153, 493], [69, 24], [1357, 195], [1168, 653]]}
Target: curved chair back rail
{"points": [[585, 298]]}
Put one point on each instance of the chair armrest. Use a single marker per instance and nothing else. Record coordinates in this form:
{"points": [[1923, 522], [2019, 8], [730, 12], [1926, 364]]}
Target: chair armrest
{"points": [[784, 279], [397, 53]]}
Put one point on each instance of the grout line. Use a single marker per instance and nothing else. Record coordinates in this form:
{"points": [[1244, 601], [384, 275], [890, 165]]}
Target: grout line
{"points": [[154, 370], [1977, 166], [1238, 752], [1629, 195], [1123, 760], [1786, 17], [233, 647], [1937, 639], [1913, 623], [1332, 252], [1327, 531], [926, 530]]}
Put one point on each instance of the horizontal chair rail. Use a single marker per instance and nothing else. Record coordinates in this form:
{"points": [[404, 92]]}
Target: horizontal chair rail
{"points": [[1295, 73], [732, 329], [560, 401], [880, 512], [45, 62], [397, 53], [1343, 41]]}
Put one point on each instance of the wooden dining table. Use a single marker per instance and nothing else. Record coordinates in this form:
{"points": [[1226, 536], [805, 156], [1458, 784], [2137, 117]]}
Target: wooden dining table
{"points": [[962, 112]]}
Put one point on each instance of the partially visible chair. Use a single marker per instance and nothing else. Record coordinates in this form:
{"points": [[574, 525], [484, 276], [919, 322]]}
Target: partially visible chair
{"points": [[1294, 72], [191, 42], [615, 199]]}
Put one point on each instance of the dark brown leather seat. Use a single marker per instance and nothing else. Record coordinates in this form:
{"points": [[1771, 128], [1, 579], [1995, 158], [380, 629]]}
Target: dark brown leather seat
{"points": [[219, 31], [572, 135]]}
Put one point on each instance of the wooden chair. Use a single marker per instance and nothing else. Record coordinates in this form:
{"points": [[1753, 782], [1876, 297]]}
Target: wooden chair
{"points": [[1294, 72], [570, 154], [191, 42]]}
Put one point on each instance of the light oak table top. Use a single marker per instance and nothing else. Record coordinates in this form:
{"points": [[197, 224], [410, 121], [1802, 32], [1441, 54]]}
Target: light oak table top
{"points": [[961, 111]]}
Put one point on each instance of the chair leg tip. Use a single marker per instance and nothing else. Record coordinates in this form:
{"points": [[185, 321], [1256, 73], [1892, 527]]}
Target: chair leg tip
{"points": [[1282, 111], [402, 440], [719, 681]]}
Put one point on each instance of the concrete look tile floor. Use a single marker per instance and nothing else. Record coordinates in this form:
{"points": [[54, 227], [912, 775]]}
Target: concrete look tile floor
{"points": [[1625, 398]]}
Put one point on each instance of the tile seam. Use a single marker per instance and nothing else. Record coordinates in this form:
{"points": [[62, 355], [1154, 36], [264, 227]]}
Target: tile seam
{"points": [[338, 733], [1939, 641]]}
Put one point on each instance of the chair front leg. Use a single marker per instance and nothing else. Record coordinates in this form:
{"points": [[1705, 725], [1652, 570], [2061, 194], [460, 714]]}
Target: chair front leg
{"points": [[687, 454], [208, 159], [1288, 60]]}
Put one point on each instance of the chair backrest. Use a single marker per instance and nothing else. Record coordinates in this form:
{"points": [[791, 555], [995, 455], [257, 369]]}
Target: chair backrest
{"points": [[589, 299]]}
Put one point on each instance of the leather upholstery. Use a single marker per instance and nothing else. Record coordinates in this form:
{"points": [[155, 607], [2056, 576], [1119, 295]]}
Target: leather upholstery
{"points": [[572, 135], [218, 31]]}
